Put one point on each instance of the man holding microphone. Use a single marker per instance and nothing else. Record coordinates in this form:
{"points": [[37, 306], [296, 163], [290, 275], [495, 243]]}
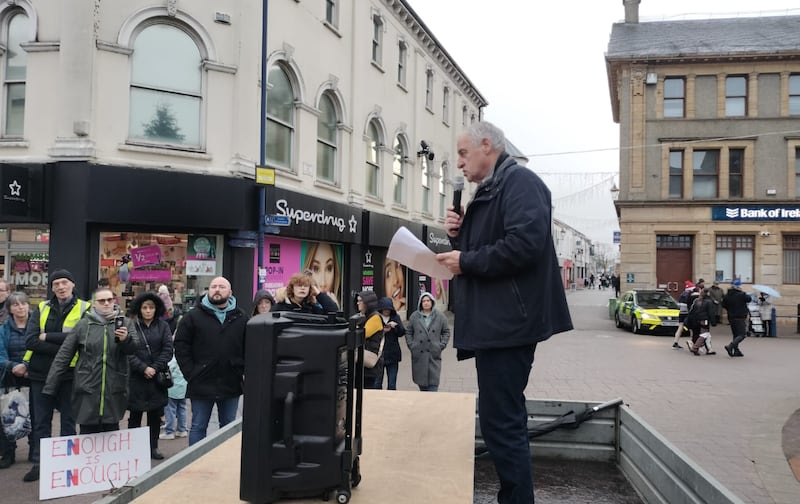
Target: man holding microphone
{"points": [[509, 294]]}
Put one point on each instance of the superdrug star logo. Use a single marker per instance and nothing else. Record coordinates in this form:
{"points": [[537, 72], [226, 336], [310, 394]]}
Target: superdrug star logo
{"points": [[15, 188]]}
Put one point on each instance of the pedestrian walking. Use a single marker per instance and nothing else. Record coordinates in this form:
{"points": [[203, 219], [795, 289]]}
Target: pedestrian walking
{"points": [[509, 294], [735, 303], [699, 321], [13, 371], [175, 412], [367, 305]]}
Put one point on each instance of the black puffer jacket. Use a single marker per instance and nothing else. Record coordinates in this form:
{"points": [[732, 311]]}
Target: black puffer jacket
{"points": [[211, 354], [735, 302]]}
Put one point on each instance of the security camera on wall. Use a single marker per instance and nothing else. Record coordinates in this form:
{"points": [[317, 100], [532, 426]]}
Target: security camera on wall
{"points": [[764, 233]]}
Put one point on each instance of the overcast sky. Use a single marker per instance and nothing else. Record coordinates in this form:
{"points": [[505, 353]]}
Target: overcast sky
{"points": [[541, 66]]}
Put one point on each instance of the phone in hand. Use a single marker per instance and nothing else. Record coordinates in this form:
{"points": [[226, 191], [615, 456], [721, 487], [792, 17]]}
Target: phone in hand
{"points": [[119, 322]]}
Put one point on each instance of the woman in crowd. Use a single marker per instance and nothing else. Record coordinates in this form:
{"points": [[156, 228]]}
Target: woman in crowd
{"points": [[100, 386], [13, 372], [393, 330], [303, 295], [367, 305], [699, 321], [427, 335], [263, 302], [153, 353]]}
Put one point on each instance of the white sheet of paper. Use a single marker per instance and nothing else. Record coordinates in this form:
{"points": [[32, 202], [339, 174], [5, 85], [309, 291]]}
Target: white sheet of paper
{"points": [[409, 251]]}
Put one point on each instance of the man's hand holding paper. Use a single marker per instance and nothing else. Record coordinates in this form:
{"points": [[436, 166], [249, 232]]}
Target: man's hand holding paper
{"points": [[408, 250]]}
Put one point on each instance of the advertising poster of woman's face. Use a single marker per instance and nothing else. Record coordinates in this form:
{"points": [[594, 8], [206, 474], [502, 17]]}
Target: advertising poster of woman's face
{"points": [[324, 261], [394, 281]]}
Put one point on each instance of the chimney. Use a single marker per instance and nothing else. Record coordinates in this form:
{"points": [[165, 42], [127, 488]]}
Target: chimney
{"points": [[631, 11]]}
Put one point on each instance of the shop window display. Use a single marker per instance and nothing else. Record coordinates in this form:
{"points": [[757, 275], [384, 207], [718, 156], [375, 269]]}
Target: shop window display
{"points": [[134, 263]]}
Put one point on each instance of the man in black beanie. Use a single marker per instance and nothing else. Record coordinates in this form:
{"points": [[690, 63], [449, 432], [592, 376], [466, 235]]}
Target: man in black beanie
{"points": [[47, 329]]}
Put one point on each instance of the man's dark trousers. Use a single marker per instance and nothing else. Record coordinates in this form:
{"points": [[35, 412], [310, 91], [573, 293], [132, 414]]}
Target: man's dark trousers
{"points": [[502, 377], [739, 331], [44, 405]]}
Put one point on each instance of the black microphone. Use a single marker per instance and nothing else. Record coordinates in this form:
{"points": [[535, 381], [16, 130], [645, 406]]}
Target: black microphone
{"points": [[458, 186]]}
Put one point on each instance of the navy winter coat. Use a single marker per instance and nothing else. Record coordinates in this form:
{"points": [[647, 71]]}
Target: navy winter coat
{"points": [[509, 292]]}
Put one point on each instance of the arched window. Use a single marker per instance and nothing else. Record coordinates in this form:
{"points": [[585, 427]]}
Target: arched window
{"points": [[166, 87], [16, 30], [373, 158], [399, 158], [327, 139], [280, 118]]}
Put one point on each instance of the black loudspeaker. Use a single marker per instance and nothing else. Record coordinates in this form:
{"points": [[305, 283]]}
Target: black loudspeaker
{"points": [[303, 392]]}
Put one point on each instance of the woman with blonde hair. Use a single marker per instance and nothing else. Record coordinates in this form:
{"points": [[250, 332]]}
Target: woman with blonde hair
{"points": [[303, 295]]}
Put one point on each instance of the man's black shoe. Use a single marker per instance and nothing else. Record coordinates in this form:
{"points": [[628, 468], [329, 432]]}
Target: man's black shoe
{"points": [[155, 454], [7, 460], [737, 353], [33, 474], [729, 349]]}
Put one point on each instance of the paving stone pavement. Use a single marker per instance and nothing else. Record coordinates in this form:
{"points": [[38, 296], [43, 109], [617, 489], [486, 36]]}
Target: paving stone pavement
{"points": [[727, 414]]}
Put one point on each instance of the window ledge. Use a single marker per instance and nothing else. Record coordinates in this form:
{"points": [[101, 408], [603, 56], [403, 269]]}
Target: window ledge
{"points": [[374, 198], [445, 123], [329, 186], [402, 87], [10, 143], [377, 66], [164, 150], [429, 109], [399, 207], [332, 28], [285, 172]]}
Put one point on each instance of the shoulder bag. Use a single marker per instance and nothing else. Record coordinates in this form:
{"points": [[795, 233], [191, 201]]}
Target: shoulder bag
{"points": [[163, 378]]}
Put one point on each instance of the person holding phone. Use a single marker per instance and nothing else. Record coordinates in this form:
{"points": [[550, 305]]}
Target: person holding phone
{"points": [[103, 340]]}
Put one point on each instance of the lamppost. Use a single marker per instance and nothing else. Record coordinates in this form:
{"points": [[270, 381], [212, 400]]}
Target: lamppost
{"points": [[265, 177]]}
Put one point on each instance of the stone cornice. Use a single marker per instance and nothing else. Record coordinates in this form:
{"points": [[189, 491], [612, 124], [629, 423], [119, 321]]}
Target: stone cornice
{"points": [[423, 35]]}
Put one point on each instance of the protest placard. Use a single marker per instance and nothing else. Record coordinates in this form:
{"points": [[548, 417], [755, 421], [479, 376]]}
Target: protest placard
{"points": [[80, 464]]}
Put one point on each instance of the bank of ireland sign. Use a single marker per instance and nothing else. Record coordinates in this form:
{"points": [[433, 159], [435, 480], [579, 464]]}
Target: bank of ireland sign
{"points": [[755, 213]]}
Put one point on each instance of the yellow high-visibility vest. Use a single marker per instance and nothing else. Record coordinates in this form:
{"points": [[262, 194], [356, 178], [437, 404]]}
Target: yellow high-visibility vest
{"points": [[73, 317]]}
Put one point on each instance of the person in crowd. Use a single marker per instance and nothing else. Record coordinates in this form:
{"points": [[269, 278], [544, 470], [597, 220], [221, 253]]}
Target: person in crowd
{"points": [[393, 330], [684, 301], [323, 263], [426, 336], [765, 310], [175, 413], [367, 305], [172, 314], [699, 320], [701, 284], [100, 385], [47, 329], [209, 347], [735, 303], [153, 353], [4, 292], [105, 283], [509, 295], [615, 282], [591, 281], [303, 295], [716, 295], [13, 371], [395, 284], [263, 302]]}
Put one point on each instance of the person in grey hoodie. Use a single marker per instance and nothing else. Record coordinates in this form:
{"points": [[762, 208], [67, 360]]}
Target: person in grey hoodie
{"points": [[427, 334]]}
